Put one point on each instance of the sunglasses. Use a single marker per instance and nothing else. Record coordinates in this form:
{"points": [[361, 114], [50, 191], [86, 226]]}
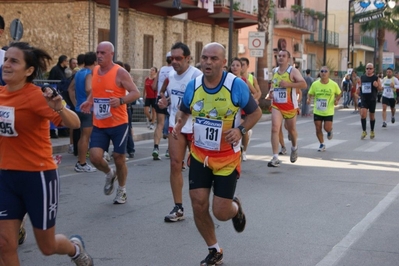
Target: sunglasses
{"points": [[323, 71], [177, 58], [369, 68]]}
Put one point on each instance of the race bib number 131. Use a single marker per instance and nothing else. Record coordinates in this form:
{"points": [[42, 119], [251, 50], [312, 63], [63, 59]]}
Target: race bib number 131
{"points": [[207, 133]]}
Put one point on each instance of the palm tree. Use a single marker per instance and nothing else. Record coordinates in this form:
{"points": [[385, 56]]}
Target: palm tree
{"points": [[263, 26], [389, 22]]}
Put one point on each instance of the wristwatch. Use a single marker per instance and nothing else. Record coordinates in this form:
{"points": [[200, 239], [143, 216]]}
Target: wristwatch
{"points": [[121, 101], [242, 130]]}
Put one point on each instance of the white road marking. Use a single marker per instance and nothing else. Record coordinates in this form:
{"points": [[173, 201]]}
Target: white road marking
{"points": [[373, 146], [340, 249], [328, 143]]}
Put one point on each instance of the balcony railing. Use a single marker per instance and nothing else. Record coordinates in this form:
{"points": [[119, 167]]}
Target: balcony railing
{"points": [[297, 20], [332, 37], [246, 6]]}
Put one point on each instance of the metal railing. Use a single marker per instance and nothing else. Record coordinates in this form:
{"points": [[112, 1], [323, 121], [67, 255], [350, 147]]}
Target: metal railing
{"points": [[332, 37], [246, 6], [298, 20]]}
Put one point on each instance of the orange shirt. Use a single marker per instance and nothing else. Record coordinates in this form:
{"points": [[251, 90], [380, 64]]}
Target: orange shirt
{"points": [[25, 143], [104, 87]]}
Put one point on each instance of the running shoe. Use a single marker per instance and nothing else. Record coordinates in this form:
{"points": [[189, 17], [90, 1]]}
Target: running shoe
{"points": [[70, 149], [213, 258], [322, 147], [106, 156], [393, 120], [384, 124], [183, 166], [364, 134], [330, 135], [131, 155], [274, 162], [239, 220], [83, 259], [109, 183], [155, 154], [22, 236], [177, 214], [372, 134], [121, 196], [167, 154], [244, 156], [294, 155], [283, 151], [84, 168], [152, 126]]}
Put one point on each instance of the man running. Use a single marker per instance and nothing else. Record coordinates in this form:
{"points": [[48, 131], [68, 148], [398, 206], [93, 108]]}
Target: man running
{"points": [[110, 120], [389, 86], [175, 85], [326, 93], [286, 81], [370, 84], [214, 100]]}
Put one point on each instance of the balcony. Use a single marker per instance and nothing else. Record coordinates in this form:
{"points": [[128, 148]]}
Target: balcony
{"points": [[245, 6], [318, 38], [294, 22], [244, 11]]}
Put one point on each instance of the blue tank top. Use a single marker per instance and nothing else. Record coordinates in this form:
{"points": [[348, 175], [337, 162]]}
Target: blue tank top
{"points": [[80, 87]]}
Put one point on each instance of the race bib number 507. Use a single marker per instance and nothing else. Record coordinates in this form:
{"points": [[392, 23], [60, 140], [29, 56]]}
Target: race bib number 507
{"points": [[7, 122]]}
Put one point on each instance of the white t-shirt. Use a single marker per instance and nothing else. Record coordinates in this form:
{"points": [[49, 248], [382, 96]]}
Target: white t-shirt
{"points": [[176, 88], [162, 75]]}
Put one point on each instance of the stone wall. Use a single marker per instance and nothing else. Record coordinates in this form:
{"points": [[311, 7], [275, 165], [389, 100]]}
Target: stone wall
{"points": [[71, 28]]}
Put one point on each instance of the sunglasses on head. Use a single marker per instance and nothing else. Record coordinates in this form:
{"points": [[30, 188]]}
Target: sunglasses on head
{"points": [[177, 58]]}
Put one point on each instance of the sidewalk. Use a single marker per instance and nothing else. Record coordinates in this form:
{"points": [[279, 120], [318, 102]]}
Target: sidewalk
{"points": [[140, 132]]}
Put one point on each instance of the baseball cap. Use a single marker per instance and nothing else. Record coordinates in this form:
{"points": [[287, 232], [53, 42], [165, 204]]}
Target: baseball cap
{"points": [[169, 54]]}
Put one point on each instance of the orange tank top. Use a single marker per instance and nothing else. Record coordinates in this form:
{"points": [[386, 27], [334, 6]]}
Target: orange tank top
{"points": [[103, 88]]}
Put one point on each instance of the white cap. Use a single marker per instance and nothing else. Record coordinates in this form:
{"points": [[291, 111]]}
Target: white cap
{"points": [[169, 54]]}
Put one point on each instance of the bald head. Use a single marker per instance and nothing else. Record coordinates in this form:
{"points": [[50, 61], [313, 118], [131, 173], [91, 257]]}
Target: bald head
{"points": [[216, 47], [105, 54], [107, 45]]}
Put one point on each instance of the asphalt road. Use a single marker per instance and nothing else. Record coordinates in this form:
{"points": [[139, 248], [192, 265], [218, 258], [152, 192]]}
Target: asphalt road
{"points": [[338, 207]]}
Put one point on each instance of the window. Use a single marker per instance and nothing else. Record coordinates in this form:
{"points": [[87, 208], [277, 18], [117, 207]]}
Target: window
{"points": [[103, 35], [282, 3], [298, 2], [198, 50], [148, 53]]}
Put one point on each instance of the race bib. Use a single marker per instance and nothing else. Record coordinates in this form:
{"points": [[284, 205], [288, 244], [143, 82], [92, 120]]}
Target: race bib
{"points": [[208, 133], [280, 95], [388, 92], [7, 122], [366, 87], [102, 108], [321, 104]]}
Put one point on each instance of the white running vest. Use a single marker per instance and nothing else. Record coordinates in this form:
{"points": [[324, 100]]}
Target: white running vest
{"points": [[176, 88]]}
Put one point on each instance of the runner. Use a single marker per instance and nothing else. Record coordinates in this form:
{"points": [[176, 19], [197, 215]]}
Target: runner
{"points": [[326, 94], [389, 85]]}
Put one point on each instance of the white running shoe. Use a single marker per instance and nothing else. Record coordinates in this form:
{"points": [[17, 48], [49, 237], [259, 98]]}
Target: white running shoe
{"points": [[120, 197], [244, 156], [84, 168], [109, 182], [106, 156]]}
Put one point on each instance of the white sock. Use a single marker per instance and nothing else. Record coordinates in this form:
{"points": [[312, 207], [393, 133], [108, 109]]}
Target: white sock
{"points": [[77, 253], [275, 155], [215, 246], [294, 148]]}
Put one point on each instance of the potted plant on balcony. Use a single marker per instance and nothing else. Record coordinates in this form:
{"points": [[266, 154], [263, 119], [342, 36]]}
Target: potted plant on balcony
{"points": [[320, 15], [236, 6], [296, 8], [309, 12], [286, 21]]}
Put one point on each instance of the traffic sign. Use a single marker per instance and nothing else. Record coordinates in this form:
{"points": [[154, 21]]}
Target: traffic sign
{"points": [[256, 40], [256, 53]]}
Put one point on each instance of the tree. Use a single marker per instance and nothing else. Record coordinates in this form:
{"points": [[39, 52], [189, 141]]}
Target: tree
{"points": [[389, 22], [264, 15]]}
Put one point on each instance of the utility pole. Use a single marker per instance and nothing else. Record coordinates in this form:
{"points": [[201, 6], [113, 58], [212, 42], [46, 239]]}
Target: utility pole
{"points": [[325, 35]]}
